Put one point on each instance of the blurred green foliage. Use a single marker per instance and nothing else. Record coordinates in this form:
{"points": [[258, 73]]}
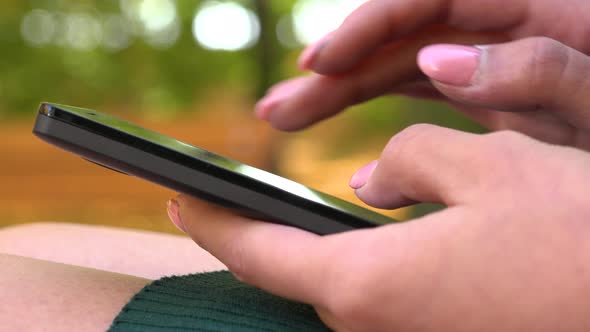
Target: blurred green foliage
{"points": [[135, 77], [142, 77], [172, 79]]}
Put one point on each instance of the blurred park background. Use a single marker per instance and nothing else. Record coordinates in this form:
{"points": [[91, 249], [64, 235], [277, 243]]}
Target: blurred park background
{"points": [[190, 69]]}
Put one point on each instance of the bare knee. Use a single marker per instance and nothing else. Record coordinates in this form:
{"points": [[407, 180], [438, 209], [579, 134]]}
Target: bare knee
{"points": [[133, 252], [46, 295], [30, 240]]}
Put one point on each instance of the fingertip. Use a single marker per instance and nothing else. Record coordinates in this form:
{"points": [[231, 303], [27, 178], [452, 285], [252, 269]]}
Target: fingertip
{"points": [[181, 201], [262, 109], [276, 96], [450, 64], [389, 200], [360, 178], [371, 191], [268, 104], [193, 211], [308, 57], [173, 210]]}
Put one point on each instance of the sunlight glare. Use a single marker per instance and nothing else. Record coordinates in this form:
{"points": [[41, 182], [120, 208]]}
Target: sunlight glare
{"points": [[116, 32], [38, 27], [82, 31], [315, 18], [225, 26], [157, 21], [157, 15]]}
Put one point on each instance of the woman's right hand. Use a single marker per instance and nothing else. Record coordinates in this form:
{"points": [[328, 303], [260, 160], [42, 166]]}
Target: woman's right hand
{"points": [[373, 53], [510, 253]]}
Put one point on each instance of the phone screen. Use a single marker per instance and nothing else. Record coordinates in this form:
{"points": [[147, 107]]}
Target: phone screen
{"points": [[77, 116]]}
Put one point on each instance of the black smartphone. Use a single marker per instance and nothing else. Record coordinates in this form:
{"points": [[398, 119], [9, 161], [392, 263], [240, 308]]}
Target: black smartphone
{"points": [[127, 148]]}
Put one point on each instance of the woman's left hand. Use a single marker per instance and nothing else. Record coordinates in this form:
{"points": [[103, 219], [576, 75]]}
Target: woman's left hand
{"points": [[536, 85]]}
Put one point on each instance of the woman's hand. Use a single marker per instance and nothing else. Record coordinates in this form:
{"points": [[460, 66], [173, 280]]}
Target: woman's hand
{"points": [[510, 253], [512, 250], [373, 53]]}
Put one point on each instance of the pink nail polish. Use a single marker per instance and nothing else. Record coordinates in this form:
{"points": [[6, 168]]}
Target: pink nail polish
{"points": [[276, 96], [265, 106], [450, 64], [309, 55], [360, 178], [174, 214]]}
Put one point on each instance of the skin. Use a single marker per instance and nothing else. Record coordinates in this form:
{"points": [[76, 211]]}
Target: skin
{"points": [[512, 250], [47, 296], [502, 257], [78, 278], [509, 253], [528, 76], [138, 253]]}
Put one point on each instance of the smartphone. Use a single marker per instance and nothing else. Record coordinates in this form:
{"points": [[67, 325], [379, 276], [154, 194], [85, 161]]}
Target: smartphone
{"points": [[130, 149]]}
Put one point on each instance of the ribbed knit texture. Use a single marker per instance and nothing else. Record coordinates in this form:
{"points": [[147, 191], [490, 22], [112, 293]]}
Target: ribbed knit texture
{"points": [[212, 302]]}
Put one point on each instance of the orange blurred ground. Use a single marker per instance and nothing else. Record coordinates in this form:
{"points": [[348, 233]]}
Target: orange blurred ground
{"points": [[41, 183]]}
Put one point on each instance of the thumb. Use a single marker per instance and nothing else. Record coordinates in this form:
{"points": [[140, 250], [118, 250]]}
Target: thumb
{"points": [[427, 163], [525, 75]]}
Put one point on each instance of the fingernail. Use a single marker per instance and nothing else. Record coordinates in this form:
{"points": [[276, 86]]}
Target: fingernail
{"points": [[450, 64], [174, 214], [237, 276], [310, 54], [276, 97], [360, 178]]}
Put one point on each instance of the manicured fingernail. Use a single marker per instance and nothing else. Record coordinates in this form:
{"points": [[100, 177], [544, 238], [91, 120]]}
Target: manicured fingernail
{"points": [[276, 96], [174, 214], [310, 54], [450, 64], [238, 277], [360, 178]]}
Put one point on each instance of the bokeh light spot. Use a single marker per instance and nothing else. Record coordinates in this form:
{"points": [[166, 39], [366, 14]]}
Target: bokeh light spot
{"points": [[116, 32], [285, 32], [156, 21], [225, 26], [83, 31], [315, 18], [164, 38], [38, 27], [157, 15]]}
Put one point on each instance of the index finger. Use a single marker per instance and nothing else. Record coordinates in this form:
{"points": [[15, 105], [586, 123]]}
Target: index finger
{"points": [[379, 22], [303, 101]]}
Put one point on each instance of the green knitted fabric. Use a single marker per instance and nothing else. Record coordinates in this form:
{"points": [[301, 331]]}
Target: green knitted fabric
{"points": [[212, 302]]}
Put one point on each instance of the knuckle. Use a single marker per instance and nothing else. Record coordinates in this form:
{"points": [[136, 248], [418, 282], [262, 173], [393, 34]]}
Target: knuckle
{"points": [[547, 63], [361, 90], [502, 143], [348, 297], [503, 153], [235, 258], [405, 140], [347, 303], [350, 294], [502, 137], [346, 293]]}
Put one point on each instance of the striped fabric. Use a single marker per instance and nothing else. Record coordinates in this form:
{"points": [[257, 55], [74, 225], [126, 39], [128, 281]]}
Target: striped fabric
{"points": [[212, 302]]}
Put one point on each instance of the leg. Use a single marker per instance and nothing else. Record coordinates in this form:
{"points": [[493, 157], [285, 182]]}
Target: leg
{"points": [[39, 295], [139, 253]]}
